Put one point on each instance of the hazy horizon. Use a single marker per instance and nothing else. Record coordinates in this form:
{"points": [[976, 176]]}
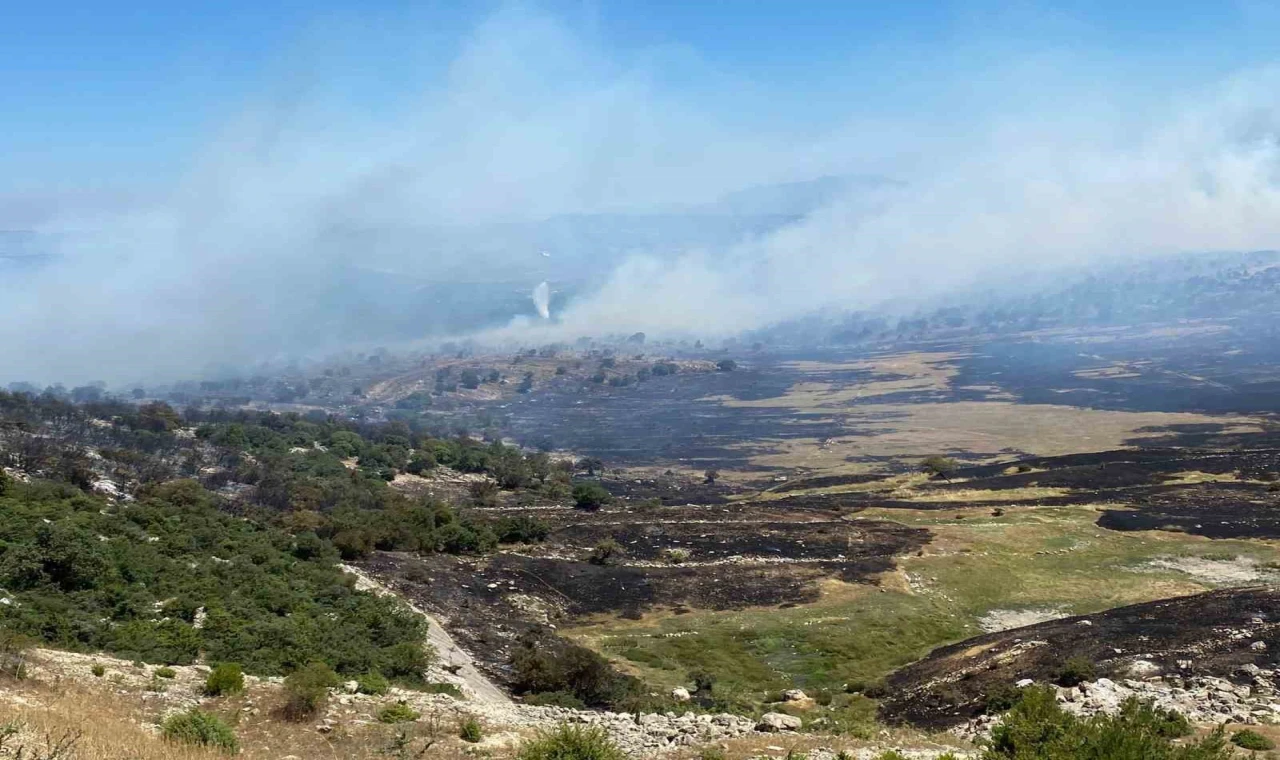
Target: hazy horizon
{"points": [[209, 193]]}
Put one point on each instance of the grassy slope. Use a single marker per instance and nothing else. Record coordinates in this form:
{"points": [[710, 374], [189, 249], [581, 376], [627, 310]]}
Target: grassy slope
{"points": [[1029, 558]]}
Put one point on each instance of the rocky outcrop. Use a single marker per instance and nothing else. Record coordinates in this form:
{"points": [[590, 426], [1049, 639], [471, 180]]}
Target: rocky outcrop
{"points": [[1204, 700]]}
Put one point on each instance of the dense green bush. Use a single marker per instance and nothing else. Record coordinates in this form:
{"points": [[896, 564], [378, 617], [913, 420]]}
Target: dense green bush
{"points": [[13, 654], [470, 731], [225, 678], [1252, 741], [166, 672], [590, 496], [607, 552], [555, 699], [86, 575], [545, 664], [306, 690], [1075, 671], [372, 683], [571, 743], [397, 712], [196, 726], [1037, 728]]}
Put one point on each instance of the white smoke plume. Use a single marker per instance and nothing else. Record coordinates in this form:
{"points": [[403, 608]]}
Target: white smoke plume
{"points": [[542, 299], [245, 258]]}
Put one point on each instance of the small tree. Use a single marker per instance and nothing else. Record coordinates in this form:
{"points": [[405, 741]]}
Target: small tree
{"points": [[726, 365], [712, 476], [607, 552], [306, 690], [590, 496], [940, 467]]}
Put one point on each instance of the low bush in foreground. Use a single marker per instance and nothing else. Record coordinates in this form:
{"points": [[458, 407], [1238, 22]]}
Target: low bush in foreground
{"points": [[398, 712], [571, 743], [1037, 728], [1075, 671], [470, 731], [225, 678], [196, 726], [1252, 740], [306, 690]]}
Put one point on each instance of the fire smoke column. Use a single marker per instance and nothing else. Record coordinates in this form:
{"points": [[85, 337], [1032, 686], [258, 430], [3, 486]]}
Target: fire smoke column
{"points": [[542, 299]]}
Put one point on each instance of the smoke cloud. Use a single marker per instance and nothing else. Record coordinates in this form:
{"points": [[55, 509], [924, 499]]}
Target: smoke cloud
{"points": [[532, 137]]}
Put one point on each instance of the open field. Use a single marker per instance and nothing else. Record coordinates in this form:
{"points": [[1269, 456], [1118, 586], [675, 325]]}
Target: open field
{"points": [[1052, 558]]}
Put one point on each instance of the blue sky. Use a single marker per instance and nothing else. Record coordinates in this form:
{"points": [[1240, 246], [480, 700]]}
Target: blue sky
{"points": [[120, 95]]}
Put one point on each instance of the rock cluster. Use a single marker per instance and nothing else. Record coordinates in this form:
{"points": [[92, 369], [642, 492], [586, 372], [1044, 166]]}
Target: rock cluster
{"points": [[1204, 700], [638, 735]]}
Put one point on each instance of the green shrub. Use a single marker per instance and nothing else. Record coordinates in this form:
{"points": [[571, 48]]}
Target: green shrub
{"points": [[547, 663], [196, 726], [1075, 671], [1252, 741], [711, 753], [939, 467], [441, 687], [166, 672], [225, 678], [571, 743], [306, 690], [1037, 728], [98, 670], [372, 683], [470, 731], [607, 552], [404, 662], [13, 654], [555, 699], [590, 496], [1001, 698], [398, 712]]}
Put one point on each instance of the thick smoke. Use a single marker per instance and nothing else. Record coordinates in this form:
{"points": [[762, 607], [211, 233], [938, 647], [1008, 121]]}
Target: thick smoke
{"points": [[1202, 174], [249, 257], [542, 299]]}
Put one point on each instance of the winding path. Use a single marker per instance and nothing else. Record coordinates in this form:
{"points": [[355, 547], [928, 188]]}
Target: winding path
{"points": [[453, 657]]}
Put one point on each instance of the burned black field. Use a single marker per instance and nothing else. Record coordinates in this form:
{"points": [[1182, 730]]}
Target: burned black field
{"points": [[821, 557], [1206, 634]]}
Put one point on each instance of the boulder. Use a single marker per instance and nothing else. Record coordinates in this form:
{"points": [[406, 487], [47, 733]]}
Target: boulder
{"points": [[680, 694], [794, 695], [773, 721]]}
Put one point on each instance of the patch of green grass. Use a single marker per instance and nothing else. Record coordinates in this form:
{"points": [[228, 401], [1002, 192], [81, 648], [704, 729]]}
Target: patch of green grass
{"points": [[198, 727], [1053, 557]]}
